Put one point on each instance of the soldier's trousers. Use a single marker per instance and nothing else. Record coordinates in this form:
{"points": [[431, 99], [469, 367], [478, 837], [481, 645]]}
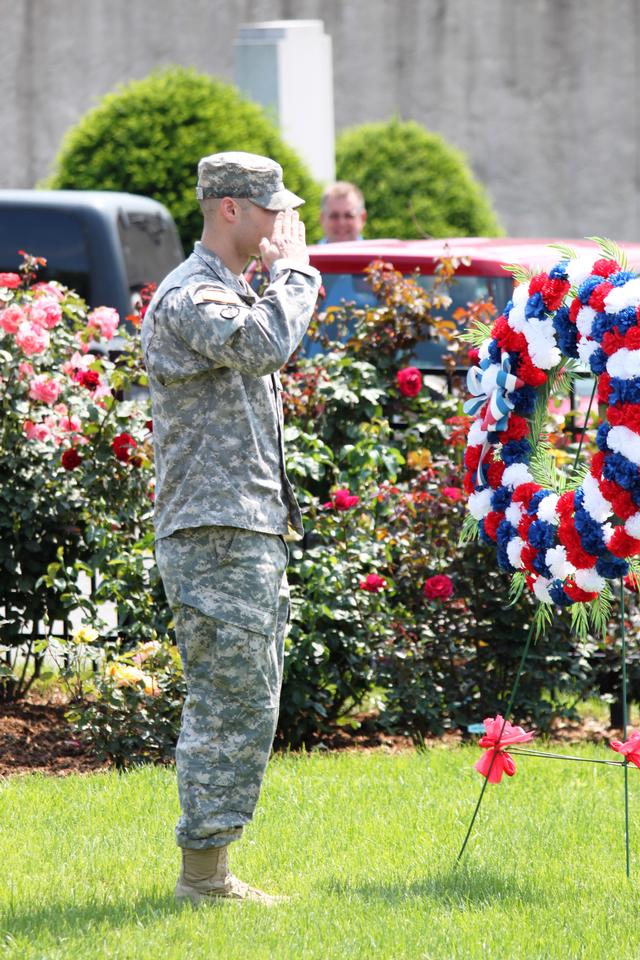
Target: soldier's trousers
{"points": [[230, 599]]}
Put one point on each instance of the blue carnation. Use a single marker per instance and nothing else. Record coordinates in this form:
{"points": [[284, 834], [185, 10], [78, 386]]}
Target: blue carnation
{"points": [[611, 567], [501, 499], [508, 308], [483, 535], [623, 472], [516, 451], [557, 594], [534, 306], [504, 534], [586, 289], [602, 323], [540, 566], [601, 436], [598, 361], [589, 531], [620, 278], [559, 272], [567, 333], [494, 352], [524, 400], [542, 535], [625, 319], [624, 391]]}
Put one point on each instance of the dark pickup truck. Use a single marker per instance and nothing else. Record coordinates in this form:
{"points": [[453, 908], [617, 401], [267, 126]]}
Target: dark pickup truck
{"points": [[104, 245]]}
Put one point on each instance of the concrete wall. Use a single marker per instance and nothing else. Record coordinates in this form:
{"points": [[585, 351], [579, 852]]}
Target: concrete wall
{"points": [[541, 94]]}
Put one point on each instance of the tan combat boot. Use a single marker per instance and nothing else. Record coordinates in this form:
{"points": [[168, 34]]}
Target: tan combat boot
{"points": [[205, 878]]}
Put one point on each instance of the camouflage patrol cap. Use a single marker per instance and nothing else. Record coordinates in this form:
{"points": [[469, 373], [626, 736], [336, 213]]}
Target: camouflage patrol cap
{"points": [[245, 175]]}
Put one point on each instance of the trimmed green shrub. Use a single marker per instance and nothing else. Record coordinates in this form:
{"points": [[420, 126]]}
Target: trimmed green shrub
{"points": [[148, 136], [415, 184]]}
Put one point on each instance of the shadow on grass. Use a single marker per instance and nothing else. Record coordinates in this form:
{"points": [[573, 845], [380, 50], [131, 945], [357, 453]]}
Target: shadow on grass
{"points": [[465, 886], [62, 917]]}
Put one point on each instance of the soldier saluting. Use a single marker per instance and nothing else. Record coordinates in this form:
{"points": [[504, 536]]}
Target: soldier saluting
{"points": [[224, 505]]}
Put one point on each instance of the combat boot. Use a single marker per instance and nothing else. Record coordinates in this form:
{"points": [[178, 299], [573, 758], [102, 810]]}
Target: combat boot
{"points": [[205, 878]]}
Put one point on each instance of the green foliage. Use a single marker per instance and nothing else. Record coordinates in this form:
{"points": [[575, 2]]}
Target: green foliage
{"points": [[415, 184], [148, 136]]}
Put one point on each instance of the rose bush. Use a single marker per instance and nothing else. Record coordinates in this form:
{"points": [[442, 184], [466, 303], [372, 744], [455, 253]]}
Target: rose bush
{"points": [[74, 502]]}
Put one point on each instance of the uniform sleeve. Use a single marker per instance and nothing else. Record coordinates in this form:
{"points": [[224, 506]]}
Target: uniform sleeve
{"points": [[255, 340]]}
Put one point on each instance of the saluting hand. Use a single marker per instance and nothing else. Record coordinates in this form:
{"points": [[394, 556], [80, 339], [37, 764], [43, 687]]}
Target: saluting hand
{"points": [[287, 240]]}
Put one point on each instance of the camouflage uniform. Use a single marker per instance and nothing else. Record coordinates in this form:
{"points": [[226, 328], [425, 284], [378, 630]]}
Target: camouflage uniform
{"points": [[222, 509]]}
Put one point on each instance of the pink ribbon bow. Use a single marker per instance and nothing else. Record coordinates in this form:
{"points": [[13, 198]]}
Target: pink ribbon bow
{"points": [[630, 748], [496, 761]]}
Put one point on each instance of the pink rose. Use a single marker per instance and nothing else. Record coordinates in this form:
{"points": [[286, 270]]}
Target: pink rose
{"points": [[104, 319], [409, 381], [44, 390], [45, 313], [373, 583], [36, 431], [9, 280], [453, 493], [70, 424], [24, 370], [49, 289], [439, 587], [11, 318], [32, 338]]}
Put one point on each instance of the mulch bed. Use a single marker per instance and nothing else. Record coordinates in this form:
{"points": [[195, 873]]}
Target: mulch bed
{"points": [[36, 738]]}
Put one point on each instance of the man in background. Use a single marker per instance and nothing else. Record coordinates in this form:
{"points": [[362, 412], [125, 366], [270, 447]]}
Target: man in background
{"points": [[342, 212]]}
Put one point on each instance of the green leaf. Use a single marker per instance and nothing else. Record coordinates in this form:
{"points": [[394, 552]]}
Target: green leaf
{"points": [[567, 253], [518, 272], [611, 250]]}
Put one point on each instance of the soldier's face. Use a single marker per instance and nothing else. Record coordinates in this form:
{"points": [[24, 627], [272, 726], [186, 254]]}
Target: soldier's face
{"points": [[254, 224]]}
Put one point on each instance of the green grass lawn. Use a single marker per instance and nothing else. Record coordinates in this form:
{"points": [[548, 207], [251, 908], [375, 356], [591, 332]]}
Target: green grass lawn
{"points": [[364, 843]]}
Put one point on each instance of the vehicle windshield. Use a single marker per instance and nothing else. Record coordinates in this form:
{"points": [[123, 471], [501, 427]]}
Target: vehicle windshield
{"points": [[353, 288], [52, 233]]}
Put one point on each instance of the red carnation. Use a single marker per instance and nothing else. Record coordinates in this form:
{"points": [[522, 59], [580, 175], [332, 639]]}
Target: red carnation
{"points": [[574, 309], [537, 283], [613, 341], [596, 300], [439, 587], [622, 544], [71, 459], [121, 445], [491, 523], [494, 473], [553, 292], [577, 594], [604, 387], [373, 583], [409, 381], [517, 429], [603, 268], [523, 493]]}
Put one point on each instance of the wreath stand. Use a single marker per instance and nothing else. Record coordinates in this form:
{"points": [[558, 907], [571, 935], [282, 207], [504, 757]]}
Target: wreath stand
{"points": [[559, 756]]}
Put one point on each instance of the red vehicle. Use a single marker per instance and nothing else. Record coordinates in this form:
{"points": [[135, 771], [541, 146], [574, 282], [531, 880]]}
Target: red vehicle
{"points": [[342, 266]]}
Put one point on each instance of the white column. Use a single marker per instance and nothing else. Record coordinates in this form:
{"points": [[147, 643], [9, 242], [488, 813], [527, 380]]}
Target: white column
{"points": [[286, 67]]}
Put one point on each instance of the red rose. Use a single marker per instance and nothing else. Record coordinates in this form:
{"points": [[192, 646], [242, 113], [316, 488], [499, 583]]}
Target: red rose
{"points": [[439, 587], [409, 381], [343, 500], [88, 378], [373, 583], [71, 459], [10, 280], [121, 445]]}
